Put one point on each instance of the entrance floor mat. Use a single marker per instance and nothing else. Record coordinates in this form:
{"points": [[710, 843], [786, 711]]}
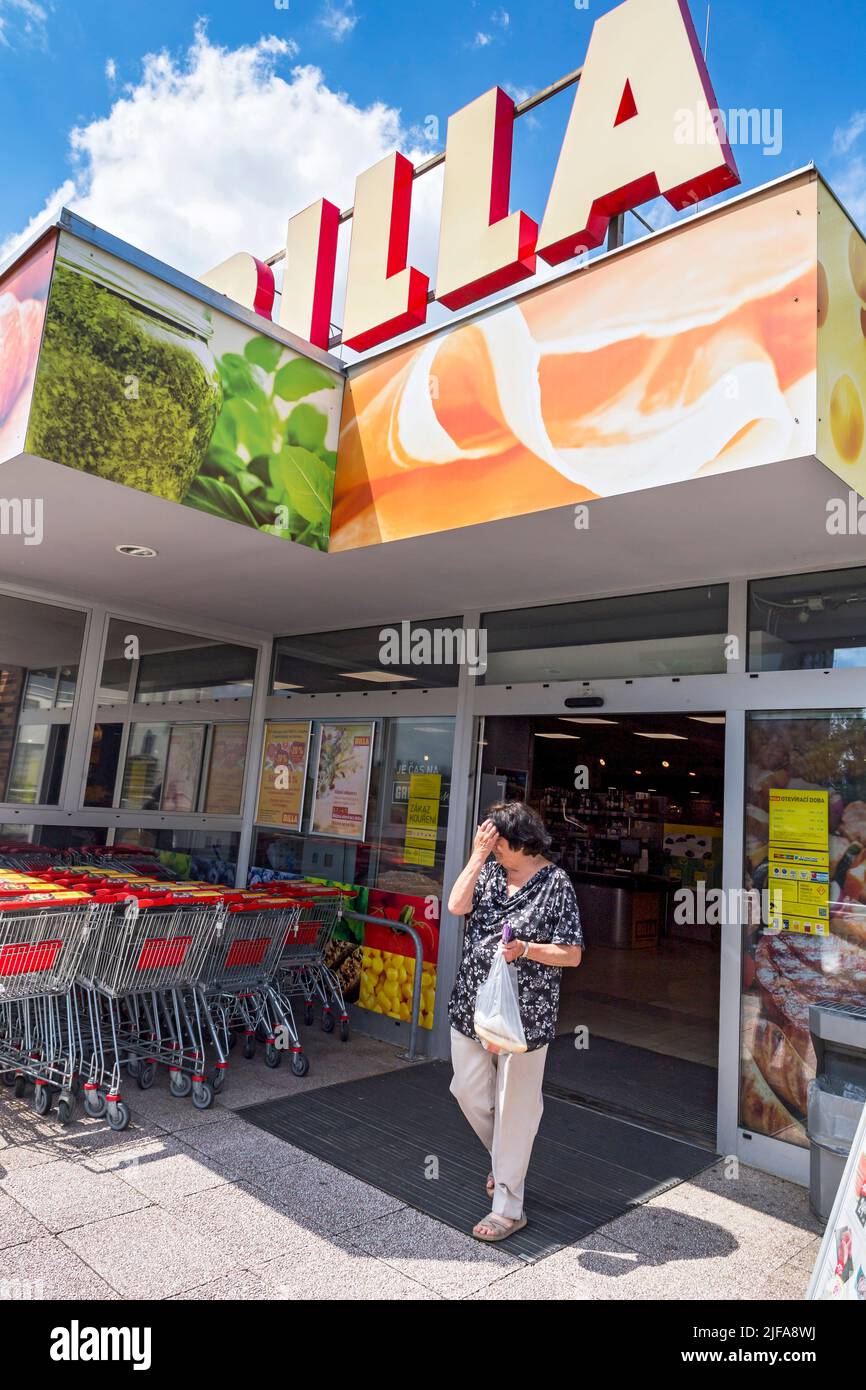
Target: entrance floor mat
{"points": [[394, 1129], [633, 1083]]}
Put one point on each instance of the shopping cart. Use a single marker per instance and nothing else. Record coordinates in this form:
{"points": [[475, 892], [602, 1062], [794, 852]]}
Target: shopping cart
{"points": [[42, 945], [303, 971], [242, 995], [140, 981]]}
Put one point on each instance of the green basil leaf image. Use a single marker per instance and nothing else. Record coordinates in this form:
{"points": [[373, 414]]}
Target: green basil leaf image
{"points": [[307, 483], [254, 428], [238, 378], [221, 460], [307, 426], [264, 353], [300, 378], [219, 499]]}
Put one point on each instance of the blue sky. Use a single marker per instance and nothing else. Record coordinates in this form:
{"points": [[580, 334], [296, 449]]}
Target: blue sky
{"points": [[243, 142]]}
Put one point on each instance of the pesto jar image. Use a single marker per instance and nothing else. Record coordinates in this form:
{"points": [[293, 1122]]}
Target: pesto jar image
{"points": [[127, 386]]}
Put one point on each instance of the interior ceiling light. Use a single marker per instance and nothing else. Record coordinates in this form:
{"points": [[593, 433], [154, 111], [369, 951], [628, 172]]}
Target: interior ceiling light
{"points": [[137, 552], [576, 737], [380, 677], [680, 737], [693, 774], [576, 719], [665, 763], [708, 718]]}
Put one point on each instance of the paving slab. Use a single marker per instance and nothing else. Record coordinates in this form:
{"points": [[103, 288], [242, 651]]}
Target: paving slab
{"points": [[437, 1256], [326, 1271], [48, 1269], [240, 1149], [151, 1253], [17, 1224], [65, 1194]]}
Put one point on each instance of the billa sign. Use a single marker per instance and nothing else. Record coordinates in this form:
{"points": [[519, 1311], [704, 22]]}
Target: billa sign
{"points": [[643, 68]]}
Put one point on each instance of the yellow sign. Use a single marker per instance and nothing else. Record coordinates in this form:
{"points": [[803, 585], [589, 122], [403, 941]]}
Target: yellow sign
{"points": [[422, 818], [283, 774], [799, 861]]}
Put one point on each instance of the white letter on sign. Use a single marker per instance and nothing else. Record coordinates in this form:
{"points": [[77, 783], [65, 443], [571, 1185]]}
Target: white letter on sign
{"points": [[308, 285], [643, 67], [481, 248], [384, 296], [246, 280]]}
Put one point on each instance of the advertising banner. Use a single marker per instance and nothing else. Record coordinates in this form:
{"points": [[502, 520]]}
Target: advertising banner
{"points": [[840, 1269], [693, 356], [841, 359], [23, 295], [344, 761], [142, 384], [284, 771], [225, 783]]}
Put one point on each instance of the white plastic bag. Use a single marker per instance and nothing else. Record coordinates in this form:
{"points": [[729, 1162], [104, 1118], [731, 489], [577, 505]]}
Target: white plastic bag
{"points": [[497, 1009]]}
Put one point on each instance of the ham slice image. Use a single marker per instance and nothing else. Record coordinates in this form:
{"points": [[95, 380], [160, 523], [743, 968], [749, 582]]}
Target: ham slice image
{"points": [[20, 329]]}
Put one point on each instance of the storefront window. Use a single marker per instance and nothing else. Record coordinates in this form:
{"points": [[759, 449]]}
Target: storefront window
{"points": [[410, 656], [179, 768], [402, 846], [805, 940], [37, 764], [156, 665], [808, 622], [206, 855], [40, 647], [663, 634]]}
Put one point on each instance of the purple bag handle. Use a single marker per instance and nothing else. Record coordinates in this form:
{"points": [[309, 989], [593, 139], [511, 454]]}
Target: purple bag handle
{"points": [[507, 933]]}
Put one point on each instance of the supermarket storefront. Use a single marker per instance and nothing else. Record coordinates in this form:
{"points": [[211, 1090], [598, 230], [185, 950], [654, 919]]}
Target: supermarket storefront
{"points": [[269, 615]]}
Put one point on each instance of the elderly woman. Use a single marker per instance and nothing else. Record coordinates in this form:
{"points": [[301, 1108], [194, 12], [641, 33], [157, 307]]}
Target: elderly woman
{"points": [[498, 1092]]}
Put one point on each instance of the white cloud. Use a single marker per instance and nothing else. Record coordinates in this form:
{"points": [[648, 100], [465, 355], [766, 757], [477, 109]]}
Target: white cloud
{"points": [[502, 18], [47, 213], [850, 186], [210, 152], [481, 40], [22, 20], [846, 136], [111, 70], [339, 20]]}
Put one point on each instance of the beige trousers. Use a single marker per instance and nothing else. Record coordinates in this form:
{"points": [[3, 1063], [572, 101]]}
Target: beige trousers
{"points": [[500, 1095]]}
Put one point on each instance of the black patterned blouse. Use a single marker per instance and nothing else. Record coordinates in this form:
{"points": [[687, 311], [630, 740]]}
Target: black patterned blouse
{"points": [[545, 910]]}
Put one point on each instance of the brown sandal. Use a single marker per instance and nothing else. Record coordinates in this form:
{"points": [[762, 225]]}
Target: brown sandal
{"points": [[502, 1226]]}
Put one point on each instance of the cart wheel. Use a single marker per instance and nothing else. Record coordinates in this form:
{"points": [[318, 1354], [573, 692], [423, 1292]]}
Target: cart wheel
{"points": [[42, 1100], [94, 1105], [232, 1041], [308, 1014], [8, 1078], [134, 1066], [327, 1021], [250, 1046], [218, 1080], [76, 1085], [202, 1095], [146, 1075], [64, 1110], [300, 1064], [273, 1056], [180, 1085], [19, 1087], [117, 1114], [344, 1030]]}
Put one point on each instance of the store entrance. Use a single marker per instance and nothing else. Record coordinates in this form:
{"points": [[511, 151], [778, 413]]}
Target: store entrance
{"points": [[635, 807]]}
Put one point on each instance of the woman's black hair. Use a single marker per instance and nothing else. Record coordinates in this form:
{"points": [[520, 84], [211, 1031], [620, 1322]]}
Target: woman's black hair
{"points": [[522, 827]]}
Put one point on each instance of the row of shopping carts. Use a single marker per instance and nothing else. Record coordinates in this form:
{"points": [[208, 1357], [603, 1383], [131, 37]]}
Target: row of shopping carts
{"points": [[104, 976]]}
